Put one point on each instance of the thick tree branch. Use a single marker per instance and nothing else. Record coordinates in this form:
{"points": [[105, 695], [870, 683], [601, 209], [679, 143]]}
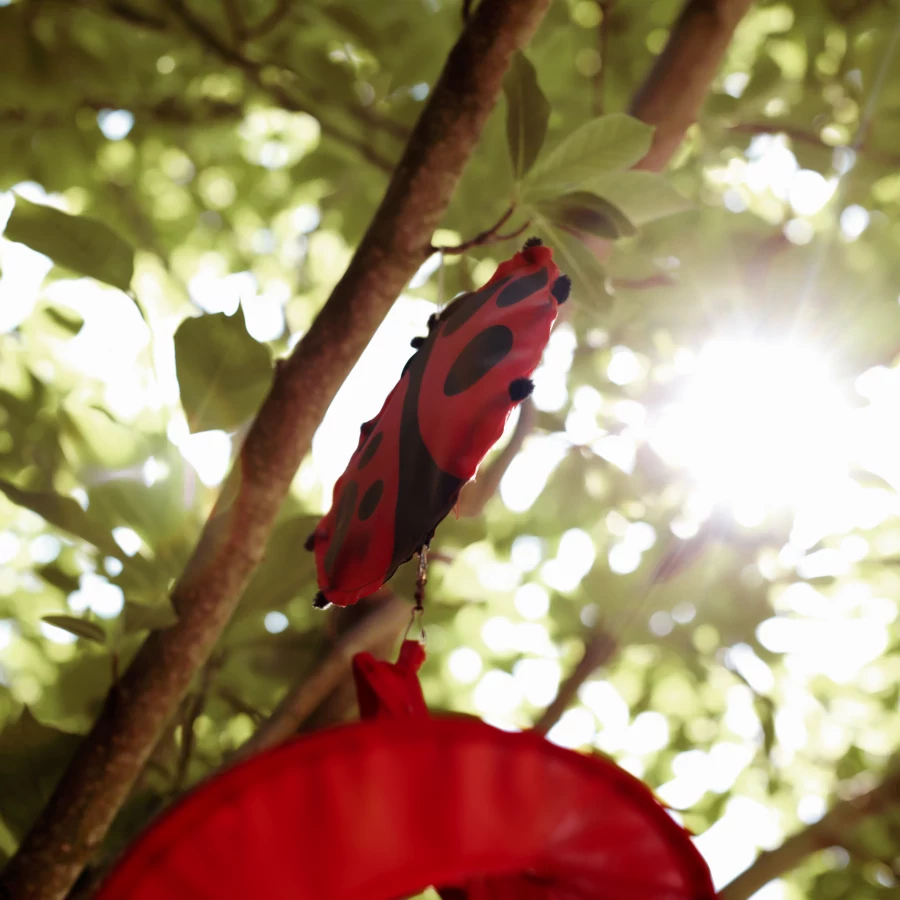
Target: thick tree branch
{"points": [[382, 623], [830, 831], [674, 92], [99, 778]]}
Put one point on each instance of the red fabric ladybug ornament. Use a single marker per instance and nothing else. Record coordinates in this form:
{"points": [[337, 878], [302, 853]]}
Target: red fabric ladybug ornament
{"points": [[381, 809], [445, 413]]}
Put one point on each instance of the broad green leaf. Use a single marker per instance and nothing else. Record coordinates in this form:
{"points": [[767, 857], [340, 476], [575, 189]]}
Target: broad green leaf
{"points": [[81, 244], [64, 513], [587, 212], [32, 758], [527, 114], [608, 144], [82, 628], [223, 373], [642, 196], [144, 617]]}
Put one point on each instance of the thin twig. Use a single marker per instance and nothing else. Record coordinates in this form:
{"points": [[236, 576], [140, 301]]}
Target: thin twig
{"points": [[832, 830], [303, 698], [279, 11], [598, 651], [192, 712], [253, 71], [599, 96], [488, 236]]}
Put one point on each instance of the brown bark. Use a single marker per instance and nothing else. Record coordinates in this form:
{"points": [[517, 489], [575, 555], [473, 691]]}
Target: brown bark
{"points": [[75, 821], [830, 831], [674, 92]]}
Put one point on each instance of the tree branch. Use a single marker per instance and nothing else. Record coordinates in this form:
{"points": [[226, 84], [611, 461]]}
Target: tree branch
{"points": [[597, 652], [382, 623], [488, 236], [830, 831], [674, 92], [99, 778]]}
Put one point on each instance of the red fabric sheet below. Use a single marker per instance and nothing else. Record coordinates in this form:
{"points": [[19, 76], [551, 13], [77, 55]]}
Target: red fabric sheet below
{"points": [[379, 810]]}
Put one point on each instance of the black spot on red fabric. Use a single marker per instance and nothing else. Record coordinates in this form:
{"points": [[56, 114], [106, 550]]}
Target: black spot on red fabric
{"points": [[561, 288], [310, 543], [532, 242], [416, 342], [371, 450], [463, 308], [425, 493], [370, 500], [477, 358], [521, 288], [346, 507]]}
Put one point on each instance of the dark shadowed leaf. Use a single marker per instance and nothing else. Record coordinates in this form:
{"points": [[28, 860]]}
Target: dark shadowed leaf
{"points": [[83, 245], [527, 114], [64, 513], [582, 211], [223, 373], [90, 631], [32, 757]]}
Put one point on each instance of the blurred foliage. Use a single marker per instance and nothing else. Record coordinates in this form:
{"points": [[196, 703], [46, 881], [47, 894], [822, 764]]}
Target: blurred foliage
{"points": [[196, 176]]}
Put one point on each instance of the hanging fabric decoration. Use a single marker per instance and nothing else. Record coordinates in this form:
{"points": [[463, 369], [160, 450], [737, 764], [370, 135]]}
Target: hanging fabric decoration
{"points": [[446, 412], [379, 810]]}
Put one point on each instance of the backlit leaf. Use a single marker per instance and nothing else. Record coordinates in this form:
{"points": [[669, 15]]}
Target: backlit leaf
{"points": [[223, 373], [527, 114], [79, 243], [90, 631]]}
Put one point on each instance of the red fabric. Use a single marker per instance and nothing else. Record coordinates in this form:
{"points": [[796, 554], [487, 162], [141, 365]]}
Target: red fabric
{"points": [[390, 690], [446, 411], [379, 810]]}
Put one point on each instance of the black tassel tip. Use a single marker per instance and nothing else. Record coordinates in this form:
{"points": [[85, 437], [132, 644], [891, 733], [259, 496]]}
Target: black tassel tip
{"points": [[520, 389], [320, 601], [532, 242]]}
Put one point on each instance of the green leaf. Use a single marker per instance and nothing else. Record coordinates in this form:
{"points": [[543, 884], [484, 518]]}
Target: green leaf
{"points": [[144, 617], [587, 212], [223, 373], [608, 144], [642, 196], [32, 758], [82, 628], [527, 114], [64, 513], [83, 245]]}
